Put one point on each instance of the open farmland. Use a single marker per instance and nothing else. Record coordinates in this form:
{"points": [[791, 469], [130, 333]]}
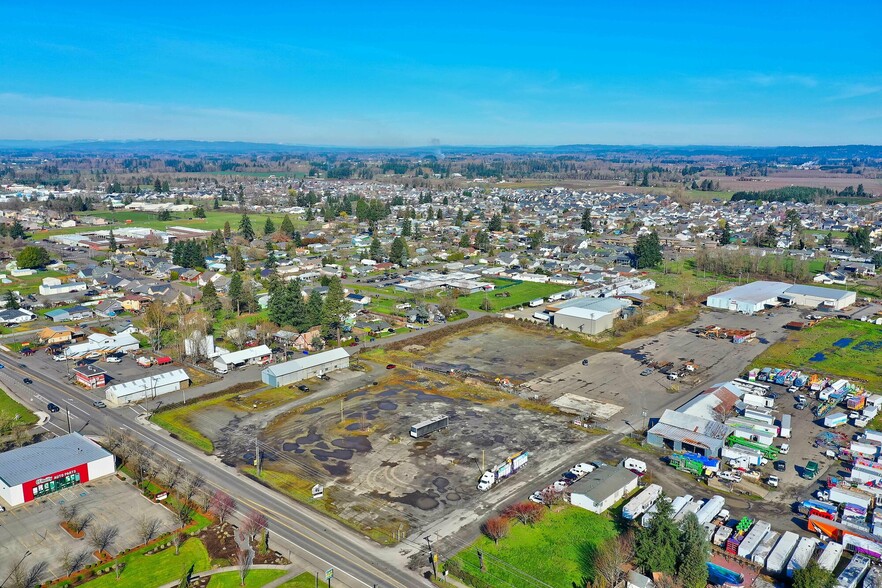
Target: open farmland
{"points": [[844, 348]]}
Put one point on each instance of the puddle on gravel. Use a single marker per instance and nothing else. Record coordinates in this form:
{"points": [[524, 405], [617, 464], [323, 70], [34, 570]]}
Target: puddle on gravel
{"points": [[356, 443], [322, 455]]}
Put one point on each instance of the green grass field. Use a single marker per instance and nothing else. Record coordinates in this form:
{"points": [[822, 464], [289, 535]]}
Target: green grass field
{"points": [[13, 414], [213, 220], [520, 294], [254, 579], [559, 551], [843, 361], [157, 569], [304, 580]]}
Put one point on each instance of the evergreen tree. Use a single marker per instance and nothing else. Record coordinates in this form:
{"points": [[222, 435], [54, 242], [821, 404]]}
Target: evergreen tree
{"points": [[537, 238], [465, 241], [248, 301], [269, 227], [495, 223], [165, 187], [11, 300], [828, 240], [270, 261], [406, 228], [459, 217], [236, 262], [210, 302], [310, 215], [658, 545], [215, 205], [694, 554], [314, 309], [399, 252], [157, 185], [287, 227], [235, 292], [200, 212], [482, 241], [32, 257], [586, 221], [245, 228], [334, 310], [228, 232], [297, 239], [725, 234], [439, 215], [164, 215], [647, 251], [111, 242], [376, 251]]}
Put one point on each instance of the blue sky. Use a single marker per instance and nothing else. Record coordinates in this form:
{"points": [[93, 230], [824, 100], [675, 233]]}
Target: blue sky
{"points": [[404, 74]]}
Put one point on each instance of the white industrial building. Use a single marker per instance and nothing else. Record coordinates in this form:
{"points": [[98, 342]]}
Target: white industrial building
{"points": [[31, 472], [756, 296], [305, 367], [102, 345], [259, 354], [149, 387], [583, 320]]}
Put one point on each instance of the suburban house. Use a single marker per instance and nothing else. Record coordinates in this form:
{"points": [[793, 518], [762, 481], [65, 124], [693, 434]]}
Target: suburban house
{"points": [[56, 335], [16, 316], [74, 313], [134, 302], [602, 488]]}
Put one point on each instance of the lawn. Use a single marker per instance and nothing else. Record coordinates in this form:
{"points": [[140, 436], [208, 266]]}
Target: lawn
{"points": [[520, 293], [157, 569], [859, 359], [179, 420], [213, 220], [30, 284], [13, 413], [559, 551], [254, 579], [679, 279], [304, 580]]}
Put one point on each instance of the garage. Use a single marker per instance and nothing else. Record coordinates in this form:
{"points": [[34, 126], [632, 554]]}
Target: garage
{"points": [[305, 367], [34, 471]]}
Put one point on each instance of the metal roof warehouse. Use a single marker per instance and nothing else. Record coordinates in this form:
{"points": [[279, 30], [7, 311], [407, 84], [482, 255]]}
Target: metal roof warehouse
{"points": [[36, 470], [305, 367]]}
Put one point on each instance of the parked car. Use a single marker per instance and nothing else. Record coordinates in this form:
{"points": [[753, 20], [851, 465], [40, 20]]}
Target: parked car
{"points": [[800, 406], [53, 407], [570, 476], [647, 372], [325, 377], [99, 404], [582, 469], [303, 388], [536, 497], [781, 465], [390, 366], [785, 449], [772, 481]]}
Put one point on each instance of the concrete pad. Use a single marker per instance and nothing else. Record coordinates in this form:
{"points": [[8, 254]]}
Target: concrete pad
{"points": [[575, 404]]}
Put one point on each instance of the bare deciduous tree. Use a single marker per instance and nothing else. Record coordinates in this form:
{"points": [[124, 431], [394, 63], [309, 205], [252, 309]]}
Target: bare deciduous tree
{"points": [[177, 539], [23, 576], [189, 485], [147, 527], [242, 557], [222, 505], [154, 322], [101, 538], [172, 472], [612, 556], [74, 561], [254, 524]]}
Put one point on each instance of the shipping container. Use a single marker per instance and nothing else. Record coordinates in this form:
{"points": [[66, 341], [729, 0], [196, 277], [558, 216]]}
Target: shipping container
{"points": [[803, 553], [430, 426], [777, 560], [754, 537], [761, 553]]}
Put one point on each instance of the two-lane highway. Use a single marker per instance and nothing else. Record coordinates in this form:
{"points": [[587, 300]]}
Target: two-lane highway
{"points": [[357, 561]]}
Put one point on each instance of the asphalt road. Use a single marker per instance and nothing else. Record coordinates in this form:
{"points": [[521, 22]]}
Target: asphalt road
{"points": [[356, 560]]}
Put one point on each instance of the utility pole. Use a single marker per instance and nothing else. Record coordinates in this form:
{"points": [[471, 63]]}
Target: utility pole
{"points": [[27, 553], [69, 429], [432, 557], [341, 410], [257, 456]]}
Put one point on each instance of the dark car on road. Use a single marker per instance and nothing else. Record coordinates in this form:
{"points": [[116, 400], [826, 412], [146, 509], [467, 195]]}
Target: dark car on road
{"points": [[28, 381], [303, 388], [52, 407]]}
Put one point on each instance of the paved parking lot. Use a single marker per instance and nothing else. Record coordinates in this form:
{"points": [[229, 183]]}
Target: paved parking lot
{"points": [[36, 526]]}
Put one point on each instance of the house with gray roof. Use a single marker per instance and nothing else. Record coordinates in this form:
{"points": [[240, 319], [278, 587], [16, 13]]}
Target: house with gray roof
{"points": [[602, 488]]}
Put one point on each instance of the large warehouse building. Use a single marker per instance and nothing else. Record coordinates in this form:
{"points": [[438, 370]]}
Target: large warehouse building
{"points": [[756, 296], [305, 367], [149, 387], [33, 471]]}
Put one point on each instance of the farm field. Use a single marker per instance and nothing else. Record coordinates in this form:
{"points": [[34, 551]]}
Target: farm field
{"points": [[559, 550], [520, 293], [213, 220], [844, 348]]}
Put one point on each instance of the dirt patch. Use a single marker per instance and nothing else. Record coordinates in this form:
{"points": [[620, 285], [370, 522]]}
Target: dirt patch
{"points": [[220, 542]]}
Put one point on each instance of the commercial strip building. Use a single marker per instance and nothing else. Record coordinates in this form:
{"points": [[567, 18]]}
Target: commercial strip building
{"points": [[90, 376], [149, 387], [33, 471], [259, 355], [98, 344], [756, 296], [602, 488], [305, 367]]}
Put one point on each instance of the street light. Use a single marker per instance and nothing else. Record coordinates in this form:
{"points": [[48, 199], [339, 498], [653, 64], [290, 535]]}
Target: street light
{"points": [[27, 553]]}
